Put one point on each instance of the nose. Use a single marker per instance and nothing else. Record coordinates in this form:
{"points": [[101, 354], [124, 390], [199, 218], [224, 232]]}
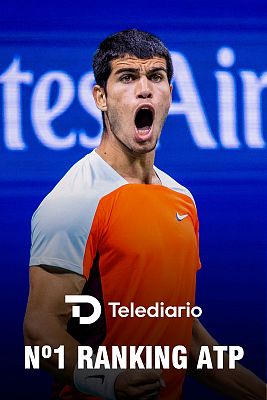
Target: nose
{"points": [[143, 88]]}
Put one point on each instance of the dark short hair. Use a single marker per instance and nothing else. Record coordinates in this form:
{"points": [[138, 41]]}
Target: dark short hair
{"points": [[132, 42]]}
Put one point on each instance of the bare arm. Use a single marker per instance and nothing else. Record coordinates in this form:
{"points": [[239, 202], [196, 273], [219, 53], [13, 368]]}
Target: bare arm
{"points": [[46, 321], [238, 383], [47, 315]]}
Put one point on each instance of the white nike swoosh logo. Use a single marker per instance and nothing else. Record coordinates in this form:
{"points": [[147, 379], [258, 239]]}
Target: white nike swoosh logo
{"points": [[181, 217]]}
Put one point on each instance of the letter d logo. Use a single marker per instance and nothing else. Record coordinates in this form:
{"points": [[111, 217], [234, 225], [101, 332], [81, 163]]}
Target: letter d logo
{"points": [[76, 309]]}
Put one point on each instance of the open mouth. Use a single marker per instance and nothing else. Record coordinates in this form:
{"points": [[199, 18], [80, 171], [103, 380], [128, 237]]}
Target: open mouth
{"points": [[144, 119]]}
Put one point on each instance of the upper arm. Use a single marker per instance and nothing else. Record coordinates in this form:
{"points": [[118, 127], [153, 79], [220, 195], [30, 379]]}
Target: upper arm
{"points": [[46, 304], [60, 229]]}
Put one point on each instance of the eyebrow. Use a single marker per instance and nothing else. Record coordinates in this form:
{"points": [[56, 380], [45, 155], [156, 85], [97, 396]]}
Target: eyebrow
{"points": [[136, 70]]}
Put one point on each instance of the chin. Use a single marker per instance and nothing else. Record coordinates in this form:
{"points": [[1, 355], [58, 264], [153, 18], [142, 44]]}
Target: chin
{"points": [[144, 148]]}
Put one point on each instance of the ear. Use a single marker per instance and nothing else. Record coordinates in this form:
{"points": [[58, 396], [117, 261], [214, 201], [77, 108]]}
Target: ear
{"points": [[100, 98], [171, 87]]}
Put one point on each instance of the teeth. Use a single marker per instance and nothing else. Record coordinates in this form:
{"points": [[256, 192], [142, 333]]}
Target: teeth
{"points": [[144, 130]]}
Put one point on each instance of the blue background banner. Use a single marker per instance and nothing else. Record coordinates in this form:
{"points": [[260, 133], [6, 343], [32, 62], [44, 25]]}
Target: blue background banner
{"points": [[214, 142]]}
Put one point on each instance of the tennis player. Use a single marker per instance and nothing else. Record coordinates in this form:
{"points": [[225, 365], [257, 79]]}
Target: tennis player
{"points": [[118, 228]]}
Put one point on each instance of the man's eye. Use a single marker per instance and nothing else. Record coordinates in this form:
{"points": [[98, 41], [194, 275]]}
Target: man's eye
{"points": [[126, 78], [156, 77]]}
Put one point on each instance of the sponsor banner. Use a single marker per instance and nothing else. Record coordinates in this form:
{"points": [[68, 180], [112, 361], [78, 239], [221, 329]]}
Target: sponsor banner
{"points": [[217, 122]]}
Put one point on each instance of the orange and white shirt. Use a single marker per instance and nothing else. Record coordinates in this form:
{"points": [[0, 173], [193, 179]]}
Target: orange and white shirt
{"points": [[133, 243]]}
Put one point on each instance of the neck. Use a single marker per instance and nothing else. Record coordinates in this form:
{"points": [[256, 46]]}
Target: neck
{"points": [[133, 167]]}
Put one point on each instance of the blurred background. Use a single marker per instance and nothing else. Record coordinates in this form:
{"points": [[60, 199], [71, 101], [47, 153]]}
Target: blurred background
{"points": [[214, 142]]}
